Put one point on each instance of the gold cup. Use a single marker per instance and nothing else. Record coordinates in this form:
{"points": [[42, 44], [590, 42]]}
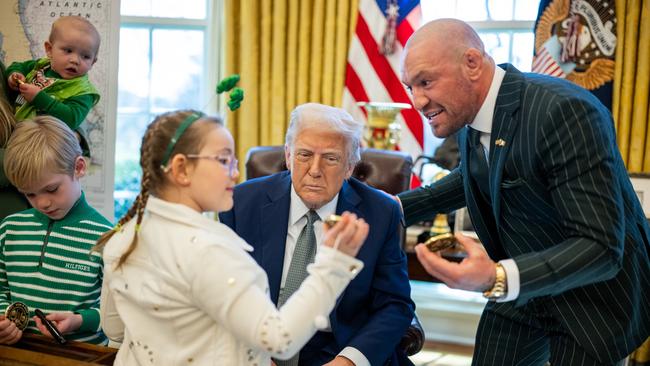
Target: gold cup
{"points": [[383, 132]]}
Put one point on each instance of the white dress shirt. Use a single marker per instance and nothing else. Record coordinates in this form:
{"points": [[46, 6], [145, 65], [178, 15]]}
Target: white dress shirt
{"points": [[483, 123]]}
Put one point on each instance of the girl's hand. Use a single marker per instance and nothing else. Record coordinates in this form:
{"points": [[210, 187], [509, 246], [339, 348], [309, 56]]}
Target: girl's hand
{"points": [[348, 235]]}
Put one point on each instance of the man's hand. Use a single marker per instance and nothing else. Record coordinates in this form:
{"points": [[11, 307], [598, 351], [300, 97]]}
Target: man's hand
{"points": [[15, 79], [475, 273], [340, 361], [64, 322], [29, 91], [9, 332]]}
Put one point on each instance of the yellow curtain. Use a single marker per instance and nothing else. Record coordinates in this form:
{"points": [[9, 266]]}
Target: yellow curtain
{"points": [[288, 52], [631, 107]]}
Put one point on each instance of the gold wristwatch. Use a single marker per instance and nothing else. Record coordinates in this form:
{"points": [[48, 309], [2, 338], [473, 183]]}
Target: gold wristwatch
{"points": [[500, 288]]}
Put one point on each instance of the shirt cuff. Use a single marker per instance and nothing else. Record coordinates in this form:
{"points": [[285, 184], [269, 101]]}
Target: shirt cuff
{"points": [[512, 278], [354, 355]]}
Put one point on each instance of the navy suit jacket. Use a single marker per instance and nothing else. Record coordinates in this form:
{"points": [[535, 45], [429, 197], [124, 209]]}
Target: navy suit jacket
{"points": [[376, 309], [562, 206]]}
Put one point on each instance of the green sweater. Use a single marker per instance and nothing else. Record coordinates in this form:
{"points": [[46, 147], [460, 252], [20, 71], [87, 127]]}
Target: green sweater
{"points": [[47, 265], [68, 100]]}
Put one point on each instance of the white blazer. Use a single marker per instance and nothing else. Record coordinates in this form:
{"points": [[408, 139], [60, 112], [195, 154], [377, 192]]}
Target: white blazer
{"points": [[191, 294]]}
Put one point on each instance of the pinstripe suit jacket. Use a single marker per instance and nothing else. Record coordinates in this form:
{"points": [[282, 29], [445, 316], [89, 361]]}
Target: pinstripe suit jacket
{"points": [[563, 208]]}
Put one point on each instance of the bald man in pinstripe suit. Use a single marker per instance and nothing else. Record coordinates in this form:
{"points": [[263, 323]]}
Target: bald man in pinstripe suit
{"points": [[565, 258]]}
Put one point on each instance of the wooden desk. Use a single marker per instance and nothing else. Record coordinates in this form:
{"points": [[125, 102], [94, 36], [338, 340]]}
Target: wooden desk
{"points": [[35, 350]]}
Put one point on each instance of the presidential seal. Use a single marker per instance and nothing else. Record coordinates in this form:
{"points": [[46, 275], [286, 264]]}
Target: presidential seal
{"points": [[18, 313], [576, 40]]}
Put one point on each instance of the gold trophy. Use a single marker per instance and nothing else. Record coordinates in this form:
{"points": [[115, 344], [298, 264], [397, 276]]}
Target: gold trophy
{"points": [[383, 132]]}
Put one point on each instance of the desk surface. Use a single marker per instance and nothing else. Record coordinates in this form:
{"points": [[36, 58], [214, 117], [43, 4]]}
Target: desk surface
{"points": [[39, 350]]}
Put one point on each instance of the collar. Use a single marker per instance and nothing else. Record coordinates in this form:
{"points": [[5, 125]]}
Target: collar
{"points": [[483, 120], [298, 209], [77, 212], [189, 217]]}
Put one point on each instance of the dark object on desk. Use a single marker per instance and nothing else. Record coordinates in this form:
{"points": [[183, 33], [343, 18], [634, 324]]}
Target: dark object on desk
{"points": [[35, 349], [50, 327]]}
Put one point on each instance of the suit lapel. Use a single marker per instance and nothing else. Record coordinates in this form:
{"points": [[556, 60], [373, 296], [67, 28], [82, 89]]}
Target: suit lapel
{"points": [[273, 228], [504, 125], [349, 201]]}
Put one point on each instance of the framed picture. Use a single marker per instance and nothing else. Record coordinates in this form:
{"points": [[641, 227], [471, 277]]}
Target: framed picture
{"points": [[641, 184]]}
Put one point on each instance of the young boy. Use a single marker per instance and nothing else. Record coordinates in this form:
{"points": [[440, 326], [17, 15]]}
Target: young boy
{"points": [[45, 259], [58, 84]]}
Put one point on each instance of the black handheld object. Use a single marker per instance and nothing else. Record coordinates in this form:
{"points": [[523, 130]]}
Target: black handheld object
{"points": [[50, 327]]}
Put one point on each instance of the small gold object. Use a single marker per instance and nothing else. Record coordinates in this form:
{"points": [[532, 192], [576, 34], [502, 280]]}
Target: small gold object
{"points": [[500, 288], [332, 220], [440, 242], [500, 142], [18, 313], [20, 82]]}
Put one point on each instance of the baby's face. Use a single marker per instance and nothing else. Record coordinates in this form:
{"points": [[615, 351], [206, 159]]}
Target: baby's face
{"points": [[72, 53]]}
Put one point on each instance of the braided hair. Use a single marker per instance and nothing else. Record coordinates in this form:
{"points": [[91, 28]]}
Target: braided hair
{"points": [[152, 151]]}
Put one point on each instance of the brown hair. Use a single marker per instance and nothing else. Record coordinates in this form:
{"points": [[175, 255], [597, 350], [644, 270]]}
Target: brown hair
{"points": [[154, 144], [42, 144]]}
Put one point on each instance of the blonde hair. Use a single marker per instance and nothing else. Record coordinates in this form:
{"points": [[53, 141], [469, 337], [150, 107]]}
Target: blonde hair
{"points": [[152, 152], [38, 146], [78, 22]]}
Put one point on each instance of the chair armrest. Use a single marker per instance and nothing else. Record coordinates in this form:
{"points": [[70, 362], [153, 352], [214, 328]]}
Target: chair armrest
{"points": [[413, 340]]}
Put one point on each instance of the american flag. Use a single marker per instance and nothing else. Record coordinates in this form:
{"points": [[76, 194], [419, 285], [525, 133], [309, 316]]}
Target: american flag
{"points": [[372, 76]]}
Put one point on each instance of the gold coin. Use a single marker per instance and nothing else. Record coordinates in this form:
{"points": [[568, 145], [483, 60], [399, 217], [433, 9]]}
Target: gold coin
{"points": [[332, 220], [440, 242], [18, 313]]}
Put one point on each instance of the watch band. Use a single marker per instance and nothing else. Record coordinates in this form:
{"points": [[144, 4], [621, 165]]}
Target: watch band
{"points": [[500, 288]]}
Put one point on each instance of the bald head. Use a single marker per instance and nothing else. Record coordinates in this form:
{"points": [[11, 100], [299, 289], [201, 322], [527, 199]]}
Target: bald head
{"points": [[450, 35], [449, 74]]}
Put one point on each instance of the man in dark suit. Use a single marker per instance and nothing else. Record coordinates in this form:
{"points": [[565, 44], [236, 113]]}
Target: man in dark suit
{"points": [[322, 147], [566, 269]]}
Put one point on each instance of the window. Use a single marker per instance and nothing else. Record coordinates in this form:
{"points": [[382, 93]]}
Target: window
{"points": [[505, 26], [165, 64]]}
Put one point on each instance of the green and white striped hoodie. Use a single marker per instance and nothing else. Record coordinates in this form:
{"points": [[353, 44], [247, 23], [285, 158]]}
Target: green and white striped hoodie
{"points": [[47, 265]]}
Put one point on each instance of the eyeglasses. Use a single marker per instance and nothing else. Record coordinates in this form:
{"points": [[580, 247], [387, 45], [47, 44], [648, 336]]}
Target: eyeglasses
{"points": [[229, 162]]}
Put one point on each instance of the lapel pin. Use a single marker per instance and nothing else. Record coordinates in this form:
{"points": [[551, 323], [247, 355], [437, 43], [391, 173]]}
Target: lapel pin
{"points": [[500, 142]]}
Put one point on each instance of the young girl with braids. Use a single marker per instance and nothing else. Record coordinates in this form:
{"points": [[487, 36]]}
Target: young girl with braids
{"points": [[180, 288]]}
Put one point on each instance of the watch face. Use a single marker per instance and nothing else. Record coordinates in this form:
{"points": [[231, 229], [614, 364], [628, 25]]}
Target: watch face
{"points": [[18, 313]]}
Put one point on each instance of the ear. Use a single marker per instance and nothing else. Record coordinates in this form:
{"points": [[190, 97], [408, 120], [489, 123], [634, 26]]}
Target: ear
{"points": [[473, 63], [180, 172], [48, 49], [80, 166], [287, 156]]}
